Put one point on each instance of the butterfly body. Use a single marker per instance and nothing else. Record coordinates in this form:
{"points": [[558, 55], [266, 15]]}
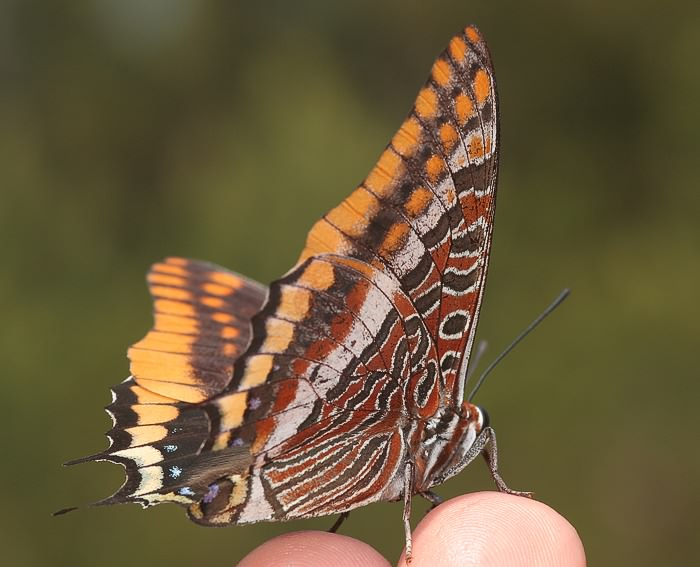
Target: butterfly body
{"points": [[446, 442], [342, 383]]}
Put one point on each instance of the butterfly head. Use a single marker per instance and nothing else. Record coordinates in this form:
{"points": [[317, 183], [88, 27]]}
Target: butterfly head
{"points": [[482, 418], [450, 442]]}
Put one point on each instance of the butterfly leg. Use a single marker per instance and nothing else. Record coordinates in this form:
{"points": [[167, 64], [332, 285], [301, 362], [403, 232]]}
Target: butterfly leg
{"points": [[491, 455], [339, 522], [407, 495], [434, 499]]}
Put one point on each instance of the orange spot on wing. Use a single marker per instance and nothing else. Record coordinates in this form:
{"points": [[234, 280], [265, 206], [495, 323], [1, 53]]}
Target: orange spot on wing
{"points": [[473, 34], [294, 303], [347, 219], [176, 261], [165, 366], [448, 136], [166, 279], [318, 275], [216, 289], [362, 202], [226, 279], [395, 237], [279, 335], [442, 72], [426, 103], [146, 434], [223, 318], [476, 147], [229, 332], [324, 238], [464, 107], [173, 307], [150, 414], [482, 86], [175, 324], [451, 195], [144, 396], [435, 166], [166, 342], [169, 269], [384, 173], [183, 392], [222, 441], [213, 302], [458, 49], [405, 141], [229, 350], [232, 407], [256, 371], [418, 201], [171, 293], [238, 495]]}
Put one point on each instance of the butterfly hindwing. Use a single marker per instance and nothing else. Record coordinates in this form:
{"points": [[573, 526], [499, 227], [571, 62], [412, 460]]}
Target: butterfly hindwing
{"points": [[319, 394]]}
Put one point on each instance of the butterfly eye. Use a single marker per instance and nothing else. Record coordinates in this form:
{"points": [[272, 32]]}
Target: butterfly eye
{"points": [[485, 420]]}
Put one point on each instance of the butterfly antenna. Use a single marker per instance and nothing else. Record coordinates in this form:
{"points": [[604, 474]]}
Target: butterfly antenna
{"points": [[64, 511], [474, 363], [556, 303]]}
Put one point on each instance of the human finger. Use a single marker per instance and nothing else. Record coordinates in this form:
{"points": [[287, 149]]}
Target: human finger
{"points": [[491, 529], [313, 549]]}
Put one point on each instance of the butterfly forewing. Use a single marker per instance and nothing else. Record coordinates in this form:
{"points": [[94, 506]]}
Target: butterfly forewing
{"points": [[424, 213], [202, 324]]}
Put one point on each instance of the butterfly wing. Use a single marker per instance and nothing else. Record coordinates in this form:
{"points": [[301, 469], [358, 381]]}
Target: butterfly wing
{"points": [[201, 326], [424, 214]]}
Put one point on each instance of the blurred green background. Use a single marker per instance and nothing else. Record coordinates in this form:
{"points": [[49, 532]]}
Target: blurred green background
{"points": [[132, 130]]}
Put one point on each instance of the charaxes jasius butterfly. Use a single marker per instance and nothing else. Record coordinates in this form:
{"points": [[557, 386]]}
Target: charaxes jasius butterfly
{"points": [[342, 383]]}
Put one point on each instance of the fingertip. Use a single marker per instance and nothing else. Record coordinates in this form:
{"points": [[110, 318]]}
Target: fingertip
{"points": [[491, 529], [313, 549]]}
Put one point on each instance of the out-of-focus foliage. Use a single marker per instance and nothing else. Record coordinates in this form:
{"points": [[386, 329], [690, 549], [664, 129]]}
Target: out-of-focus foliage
{"points": [[133, 130]]}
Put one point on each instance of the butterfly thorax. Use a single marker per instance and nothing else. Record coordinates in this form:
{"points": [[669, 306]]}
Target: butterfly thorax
{"points": [[445, 443]]}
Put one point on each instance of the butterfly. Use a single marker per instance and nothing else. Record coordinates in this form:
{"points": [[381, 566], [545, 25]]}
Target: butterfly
{"points": [[341, 383]]}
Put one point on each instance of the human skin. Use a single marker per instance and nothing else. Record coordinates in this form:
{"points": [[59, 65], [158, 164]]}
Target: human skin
{"points": [[488, 529]]}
